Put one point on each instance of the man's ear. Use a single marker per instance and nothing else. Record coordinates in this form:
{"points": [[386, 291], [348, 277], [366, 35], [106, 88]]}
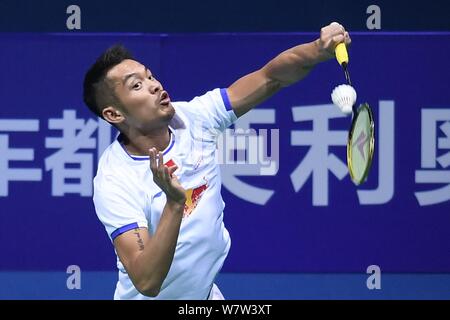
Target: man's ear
{"points": [[113, 115]]}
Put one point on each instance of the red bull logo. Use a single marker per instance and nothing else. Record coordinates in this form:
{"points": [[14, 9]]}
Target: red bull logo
{"points": [[193, 196]]}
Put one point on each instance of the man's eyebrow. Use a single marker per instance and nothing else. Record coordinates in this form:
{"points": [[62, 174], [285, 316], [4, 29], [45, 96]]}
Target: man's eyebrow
{"points": [[134, 74], [128, 76]]}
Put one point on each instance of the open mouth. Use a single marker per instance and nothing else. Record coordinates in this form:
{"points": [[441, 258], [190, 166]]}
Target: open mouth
{"points": [[164, 99]]}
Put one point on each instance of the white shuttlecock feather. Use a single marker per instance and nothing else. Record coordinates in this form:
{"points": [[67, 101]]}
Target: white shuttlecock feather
{"points": [[344, 97]]}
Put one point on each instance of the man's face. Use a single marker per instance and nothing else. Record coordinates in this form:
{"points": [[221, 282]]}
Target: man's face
{"points": [[147, 106]]}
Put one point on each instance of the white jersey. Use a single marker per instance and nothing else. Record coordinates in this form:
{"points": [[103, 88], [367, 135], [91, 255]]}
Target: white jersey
{"points": [[126, 197]]}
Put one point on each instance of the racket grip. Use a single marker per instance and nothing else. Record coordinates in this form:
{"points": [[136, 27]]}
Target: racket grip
{"points": [[341, 53]]}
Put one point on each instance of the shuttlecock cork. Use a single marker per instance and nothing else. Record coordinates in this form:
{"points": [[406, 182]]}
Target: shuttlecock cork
{"points": [[344, 97]]}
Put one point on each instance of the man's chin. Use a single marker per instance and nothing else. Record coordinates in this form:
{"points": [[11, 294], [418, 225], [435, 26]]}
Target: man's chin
{"points": [[169, 112]]}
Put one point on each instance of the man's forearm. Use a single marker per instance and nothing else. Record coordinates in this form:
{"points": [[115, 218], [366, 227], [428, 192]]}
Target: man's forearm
{"points": [[285, 69], [153, 264], [295, 63]]}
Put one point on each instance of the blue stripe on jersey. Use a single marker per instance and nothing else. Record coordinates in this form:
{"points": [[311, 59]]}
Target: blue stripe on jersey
{"points": [[139, 158], [171, 144], [145, 158], [226, 100], [157, 195], [123, 229]]}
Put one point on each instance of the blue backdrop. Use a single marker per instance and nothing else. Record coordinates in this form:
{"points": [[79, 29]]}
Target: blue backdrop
{"points": [[309, 217]]}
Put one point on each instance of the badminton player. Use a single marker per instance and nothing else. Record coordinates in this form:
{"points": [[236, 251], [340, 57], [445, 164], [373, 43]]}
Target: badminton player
{"points": [[157, 190]]}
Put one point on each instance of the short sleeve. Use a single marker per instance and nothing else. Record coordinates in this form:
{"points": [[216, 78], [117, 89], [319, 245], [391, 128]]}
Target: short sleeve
{"points": [[212, 111], [117, 207]]}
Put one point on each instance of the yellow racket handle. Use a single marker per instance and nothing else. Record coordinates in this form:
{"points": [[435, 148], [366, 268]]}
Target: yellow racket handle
{"points": [[341, 53]]}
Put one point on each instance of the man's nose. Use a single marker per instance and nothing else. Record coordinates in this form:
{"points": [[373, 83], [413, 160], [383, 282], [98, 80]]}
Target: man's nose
{"points": [[155, 87]]}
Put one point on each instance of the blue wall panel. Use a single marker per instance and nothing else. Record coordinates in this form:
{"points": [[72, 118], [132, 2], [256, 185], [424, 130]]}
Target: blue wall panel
{"points": [[311, 229]]}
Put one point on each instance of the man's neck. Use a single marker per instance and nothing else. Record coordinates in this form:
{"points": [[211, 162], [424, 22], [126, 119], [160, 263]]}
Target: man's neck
{"points": [[138, 143]]}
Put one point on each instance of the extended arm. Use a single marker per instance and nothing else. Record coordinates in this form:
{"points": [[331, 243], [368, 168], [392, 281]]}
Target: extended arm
{"points": [[285, 69]]}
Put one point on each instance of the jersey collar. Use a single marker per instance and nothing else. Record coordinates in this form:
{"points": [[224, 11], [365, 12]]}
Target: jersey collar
{"points": [[143, 158]]}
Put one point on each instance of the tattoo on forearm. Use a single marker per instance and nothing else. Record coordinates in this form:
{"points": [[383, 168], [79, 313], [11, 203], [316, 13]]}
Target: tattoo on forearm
{"points": [[140, 242]]}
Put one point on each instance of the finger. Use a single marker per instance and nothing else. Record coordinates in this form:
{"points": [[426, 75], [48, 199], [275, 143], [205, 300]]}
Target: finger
{"points": [[334, 24], [338, 27], [161, 160], [172, 169], [161, 167], [152, 157], [174, 179], [166, 175], [338, 39], [347, 38]]}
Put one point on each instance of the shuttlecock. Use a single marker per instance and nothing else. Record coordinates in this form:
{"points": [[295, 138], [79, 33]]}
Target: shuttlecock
{"points": [[344, 97]]}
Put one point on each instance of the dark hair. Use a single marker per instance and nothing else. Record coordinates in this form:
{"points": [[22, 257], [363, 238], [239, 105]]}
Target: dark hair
{"points": [[97, 92]]}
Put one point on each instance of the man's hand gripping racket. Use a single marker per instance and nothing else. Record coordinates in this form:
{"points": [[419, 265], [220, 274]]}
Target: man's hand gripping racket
{"points": [[361, 141]]}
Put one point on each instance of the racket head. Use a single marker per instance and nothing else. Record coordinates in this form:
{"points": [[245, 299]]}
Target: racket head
{"points": [[361, 144]]}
